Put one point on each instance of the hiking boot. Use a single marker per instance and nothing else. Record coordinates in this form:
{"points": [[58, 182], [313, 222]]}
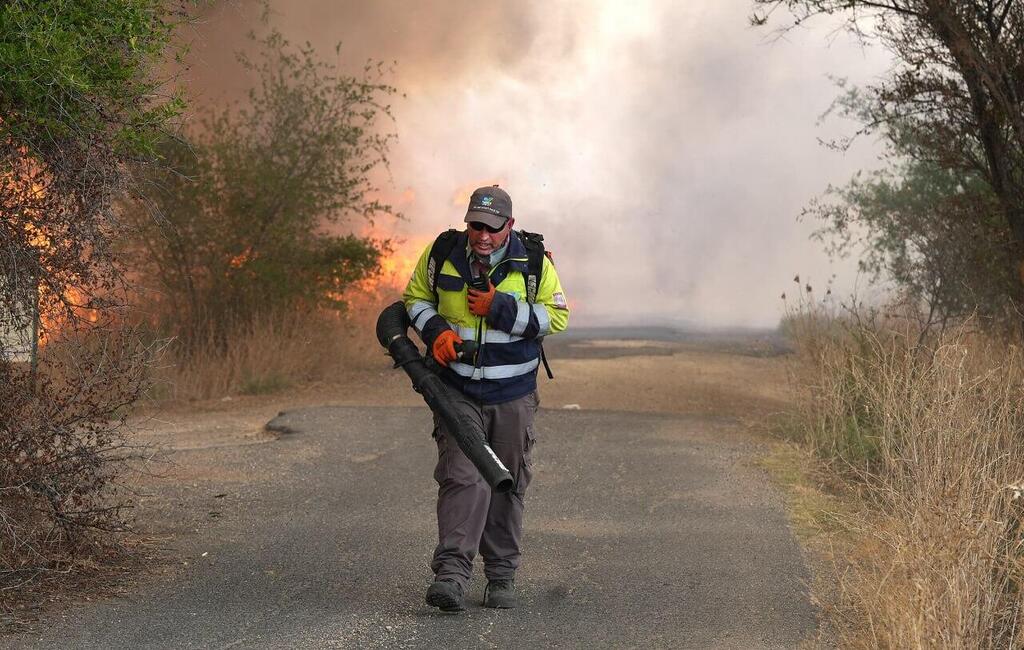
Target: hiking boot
{"points": [[501, 594], [445, 595]]}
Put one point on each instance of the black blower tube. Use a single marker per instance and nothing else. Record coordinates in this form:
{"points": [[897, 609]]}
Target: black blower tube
{"points": [[392, 330]]}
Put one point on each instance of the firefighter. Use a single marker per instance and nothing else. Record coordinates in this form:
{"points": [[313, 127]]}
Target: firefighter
{"points": [[495, 286]]}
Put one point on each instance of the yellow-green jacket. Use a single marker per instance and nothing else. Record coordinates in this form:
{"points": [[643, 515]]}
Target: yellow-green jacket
{"points": [[509, 352]]}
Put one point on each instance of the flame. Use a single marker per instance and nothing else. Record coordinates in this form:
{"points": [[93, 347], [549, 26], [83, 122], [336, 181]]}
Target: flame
{"points": [[27, 182], [238, 261], [371, 294], [398, 264], [396, 268]]}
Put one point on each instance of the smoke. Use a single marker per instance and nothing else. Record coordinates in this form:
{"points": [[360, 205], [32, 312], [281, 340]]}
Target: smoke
{"points": [[665, 149]]}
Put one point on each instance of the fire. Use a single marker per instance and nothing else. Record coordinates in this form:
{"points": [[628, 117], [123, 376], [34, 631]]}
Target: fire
{"points": [[396, 268], [27, 183], [238, 261], [398, 264]]}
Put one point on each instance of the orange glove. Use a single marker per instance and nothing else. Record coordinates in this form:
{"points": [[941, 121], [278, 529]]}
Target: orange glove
{"points": [[480, 301], [444, 347]]}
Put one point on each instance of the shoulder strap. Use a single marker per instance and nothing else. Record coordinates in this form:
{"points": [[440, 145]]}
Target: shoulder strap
{"points": [[439, 252], [534, 243]]}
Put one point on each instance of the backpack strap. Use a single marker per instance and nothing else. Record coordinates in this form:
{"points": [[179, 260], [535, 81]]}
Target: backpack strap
{"points": [[439, 252], [534, 243]]}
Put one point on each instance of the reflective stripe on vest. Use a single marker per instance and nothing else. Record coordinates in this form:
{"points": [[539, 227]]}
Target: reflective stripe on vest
{"points": [[493, 372], [543, 319], [420, 312], [490, 336], [522, 318]]}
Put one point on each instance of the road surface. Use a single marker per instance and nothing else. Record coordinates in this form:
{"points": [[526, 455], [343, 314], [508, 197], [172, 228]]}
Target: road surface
{"points": [[642, 530]]}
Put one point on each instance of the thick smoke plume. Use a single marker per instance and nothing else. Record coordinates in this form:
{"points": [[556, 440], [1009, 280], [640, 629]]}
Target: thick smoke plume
{"points": [[665, 149]]}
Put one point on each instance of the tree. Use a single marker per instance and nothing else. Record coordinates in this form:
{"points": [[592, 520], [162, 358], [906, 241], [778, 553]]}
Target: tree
{"points": [[955, 93], [937, 233], [78, 101], [243, 209]]}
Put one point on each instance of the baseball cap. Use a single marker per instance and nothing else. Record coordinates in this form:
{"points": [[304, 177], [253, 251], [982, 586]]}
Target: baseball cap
{"points": [[490, 205]]}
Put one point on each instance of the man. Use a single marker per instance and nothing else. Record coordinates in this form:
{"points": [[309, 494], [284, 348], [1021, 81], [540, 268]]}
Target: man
{"points": [[497, 387]]}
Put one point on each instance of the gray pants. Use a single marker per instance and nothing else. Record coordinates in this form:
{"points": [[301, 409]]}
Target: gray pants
{"points": [[469, 515]]}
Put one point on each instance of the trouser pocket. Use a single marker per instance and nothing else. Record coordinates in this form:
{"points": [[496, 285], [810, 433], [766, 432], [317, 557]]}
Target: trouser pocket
{"points": [[525, 474], [529, 442]]}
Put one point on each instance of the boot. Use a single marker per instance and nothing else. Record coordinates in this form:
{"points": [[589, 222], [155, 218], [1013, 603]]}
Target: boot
{"points": [[446, 595], [501, 593]]}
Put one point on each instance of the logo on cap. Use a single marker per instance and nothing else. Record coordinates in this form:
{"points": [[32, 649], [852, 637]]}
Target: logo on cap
{"points": [[487, 200]]}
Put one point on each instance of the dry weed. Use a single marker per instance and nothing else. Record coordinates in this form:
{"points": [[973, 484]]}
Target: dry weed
{"points": [[274, 352], [931, 428]]}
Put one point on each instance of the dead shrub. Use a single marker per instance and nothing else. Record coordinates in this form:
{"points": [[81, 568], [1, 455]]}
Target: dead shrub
{"points": [[65, 453]]}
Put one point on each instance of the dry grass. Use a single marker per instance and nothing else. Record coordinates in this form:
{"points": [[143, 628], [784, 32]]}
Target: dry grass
{"points": [[275, 352], [703, 382], [930, 430]]}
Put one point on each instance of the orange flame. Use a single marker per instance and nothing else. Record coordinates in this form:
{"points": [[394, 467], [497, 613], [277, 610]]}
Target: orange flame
{"points": [[396, 268], [27, 181], [238, 261]]}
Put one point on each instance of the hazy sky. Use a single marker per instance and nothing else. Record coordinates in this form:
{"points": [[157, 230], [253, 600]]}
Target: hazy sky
{"points": [[664, 148]]}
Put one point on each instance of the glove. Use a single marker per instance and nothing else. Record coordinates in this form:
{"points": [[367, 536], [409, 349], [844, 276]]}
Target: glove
{"points": [[480, 301], [444, 347]]}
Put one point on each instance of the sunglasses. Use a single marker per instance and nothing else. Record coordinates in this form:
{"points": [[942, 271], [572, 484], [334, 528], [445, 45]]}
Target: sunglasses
{"points": [[478, 226]]}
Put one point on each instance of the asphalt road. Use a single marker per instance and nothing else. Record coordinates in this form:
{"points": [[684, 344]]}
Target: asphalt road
{"points": [[641, 531]]}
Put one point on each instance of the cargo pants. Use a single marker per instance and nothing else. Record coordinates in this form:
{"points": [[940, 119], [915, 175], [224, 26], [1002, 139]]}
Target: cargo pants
{"points": [[469, 516]]}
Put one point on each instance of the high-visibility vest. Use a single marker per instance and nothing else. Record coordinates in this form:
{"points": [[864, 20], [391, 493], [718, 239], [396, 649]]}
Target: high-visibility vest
{"points": [[509, 345]]}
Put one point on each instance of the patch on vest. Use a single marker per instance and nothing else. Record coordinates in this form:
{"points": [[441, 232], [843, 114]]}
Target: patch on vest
{"points": [[559, 300]]}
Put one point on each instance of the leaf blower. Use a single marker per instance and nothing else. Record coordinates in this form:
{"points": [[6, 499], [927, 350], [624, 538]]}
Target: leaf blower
{"points": [[392, 332]]}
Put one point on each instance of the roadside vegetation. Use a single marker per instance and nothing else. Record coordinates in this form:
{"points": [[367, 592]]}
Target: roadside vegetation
{"points": [[927, 430], [242, 243], [272, 352], [146, 260], [914, 406], [79, 103]]}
